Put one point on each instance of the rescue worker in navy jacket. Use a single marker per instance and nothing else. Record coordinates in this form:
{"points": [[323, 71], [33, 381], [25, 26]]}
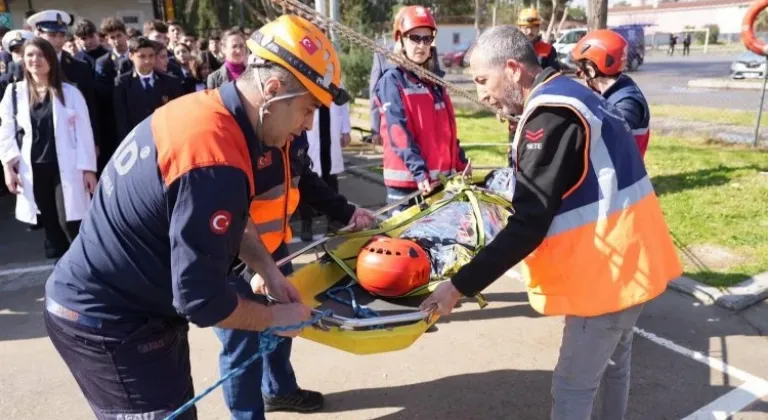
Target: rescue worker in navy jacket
{"points": [[139, 93], [418, 124], [168, 220], [51, 25], [87, 34], [529, 23], [601, 57]]}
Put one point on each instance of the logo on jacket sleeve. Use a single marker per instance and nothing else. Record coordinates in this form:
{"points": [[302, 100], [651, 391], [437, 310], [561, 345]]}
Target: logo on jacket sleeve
{"points": [[220, 222], [534, 136], [264, 160]]}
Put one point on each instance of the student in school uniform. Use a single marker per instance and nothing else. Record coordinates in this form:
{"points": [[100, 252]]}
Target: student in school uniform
{"points": [[139, 93], [92, 50], [184, 58], [108, 68]]}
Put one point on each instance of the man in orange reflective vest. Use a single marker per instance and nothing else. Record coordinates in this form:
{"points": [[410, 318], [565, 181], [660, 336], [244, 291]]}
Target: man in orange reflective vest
{"points": [[283, 175], [587, 229], [167, 220]]}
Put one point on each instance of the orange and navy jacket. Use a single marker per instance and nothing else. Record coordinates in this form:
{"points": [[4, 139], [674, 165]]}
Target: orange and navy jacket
{"points": [[418, 130], [588, 226], [547, 54], [283, 175], [627, 97], [167, 218]]}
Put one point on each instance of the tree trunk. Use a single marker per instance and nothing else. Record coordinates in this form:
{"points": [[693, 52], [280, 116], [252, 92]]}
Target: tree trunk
{"points": [[478, 15], [562, 20], [551, 21], [597, 14]]}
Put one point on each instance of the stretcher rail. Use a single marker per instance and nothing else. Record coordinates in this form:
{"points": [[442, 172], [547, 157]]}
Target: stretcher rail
{"points": [[346, 323]]}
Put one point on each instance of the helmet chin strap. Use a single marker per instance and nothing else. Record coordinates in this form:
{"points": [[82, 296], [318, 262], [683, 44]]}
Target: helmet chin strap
{"points": [[263, 108]]}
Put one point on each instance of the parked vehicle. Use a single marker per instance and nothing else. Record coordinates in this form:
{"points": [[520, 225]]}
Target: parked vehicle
{"points": [[747, 66], [455, 58], [634, 34]]}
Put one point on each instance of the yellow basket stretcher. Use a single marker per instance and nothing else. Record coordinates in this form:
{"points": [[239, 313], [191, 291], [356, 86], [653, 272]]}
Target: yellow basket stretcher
{"points": [[399, 322]]}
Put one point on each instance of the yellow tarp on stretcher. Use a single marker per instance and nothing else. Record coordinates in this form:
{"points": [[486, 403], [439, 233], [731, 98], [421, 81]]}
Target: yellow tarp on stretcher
{"points": [[314, 279]]}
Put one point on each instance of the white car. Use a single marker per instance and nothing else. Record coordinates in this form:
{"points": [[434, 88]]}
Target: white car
{"points": [[749, 65]]}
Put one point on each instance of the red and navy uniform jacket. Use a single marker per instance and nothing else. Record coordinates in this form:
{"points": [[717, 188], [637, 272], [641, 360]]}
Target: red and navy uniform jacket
{"points": [[167, 218], [626, 96], [547, 54], [418, 130]]}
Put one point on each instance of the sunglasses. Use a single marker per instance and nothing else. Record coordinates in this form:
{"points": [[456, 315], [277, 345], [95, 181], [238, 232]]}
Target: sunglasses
{"points": [[419, 39]]}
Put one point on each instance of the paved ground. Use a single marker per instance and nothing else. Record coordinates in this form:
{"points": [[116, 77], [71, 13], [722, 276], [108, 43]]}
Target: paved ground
{"points": [[664, 80], [494, 363]]}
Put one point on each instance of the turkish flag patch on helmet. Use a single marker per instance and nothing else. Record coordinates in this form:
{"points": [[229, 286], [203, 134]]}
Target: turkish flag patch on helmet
{"points": [[308, 45], [220, 222]]}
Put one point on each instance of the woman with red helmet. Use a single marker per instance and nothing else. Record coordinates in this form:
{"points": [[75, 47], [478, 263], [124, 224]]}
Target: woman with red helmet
{"points": [[601, 57], [418, 124]]}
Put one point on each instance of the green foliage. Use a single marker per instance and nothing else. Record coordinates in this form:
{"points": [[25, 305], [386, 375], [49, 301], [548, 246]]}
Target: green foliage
{"points": [[761, 23], [356, 71], [578, 14], [714, 33]]}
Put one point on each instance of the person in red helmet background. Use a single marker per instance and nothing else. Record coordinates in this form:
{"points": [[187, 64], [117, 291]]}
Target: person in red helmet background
{"points": [[418, 123], [601, 57]]}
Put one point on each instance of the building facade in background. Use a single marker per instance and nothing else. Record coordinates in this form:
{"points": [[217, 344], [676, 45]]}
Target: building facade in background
{"points": [[674, 17]]}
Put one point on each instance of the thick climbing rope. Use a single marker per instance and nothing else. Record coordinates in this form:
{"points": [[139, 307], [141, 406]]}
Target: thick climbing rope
{"points": [[268, 341], [355, 38]]}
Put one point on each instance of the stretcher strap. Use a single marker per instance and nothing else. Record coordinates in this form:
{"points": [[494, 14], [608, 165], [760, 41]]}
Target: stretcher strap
{"points": [[361, 311], [479, 225]]}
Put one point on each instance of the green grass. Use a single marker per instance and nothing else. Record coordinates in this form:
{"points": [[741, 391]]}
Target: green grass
{"points": [[712, 195], [704, 114]]}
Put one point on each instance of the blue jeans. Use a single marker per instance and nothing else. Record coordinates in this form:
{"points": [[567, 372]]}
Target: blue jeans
{"points": [[273, 377], [396, 194]]}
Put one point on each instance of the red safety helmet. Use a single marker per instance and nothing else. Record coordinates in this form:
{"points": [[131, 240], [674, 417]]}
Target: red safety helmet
{"points": [[412, 17], [606, 49], [392, 267]]}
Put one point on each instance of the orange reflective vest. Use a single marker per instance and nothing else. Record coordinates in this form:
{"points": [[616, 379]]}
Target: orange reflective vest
{"points": [[608, 247], [277, 192]]}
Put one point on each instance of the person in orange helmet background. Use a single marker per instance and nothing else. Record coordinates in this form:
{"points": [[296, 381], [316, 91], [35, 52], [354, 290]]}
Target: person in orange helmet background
{"points": [[601, 57], [418, 123]]}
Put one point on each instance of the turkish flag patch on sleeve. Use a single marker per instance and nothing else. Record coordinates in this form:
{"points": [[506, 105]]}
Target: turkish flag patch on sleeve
{"points": [[220, 222]]}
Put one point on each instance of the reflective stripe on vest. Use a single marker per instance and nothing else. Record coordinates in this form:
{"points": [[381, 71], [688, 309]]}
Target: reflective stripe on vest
{"points": [[642, 137], [606, 253]]}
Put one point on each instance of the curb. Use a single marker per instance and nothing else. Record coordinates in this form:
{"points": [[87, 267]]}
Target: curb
{"points": [[720, 83], [734, 298]]}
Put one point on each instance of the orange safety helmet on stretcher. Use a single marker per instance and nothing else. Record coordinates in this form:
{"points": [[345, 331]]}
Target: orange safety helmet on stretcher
{"points": [[303, 49], [392, 267]]}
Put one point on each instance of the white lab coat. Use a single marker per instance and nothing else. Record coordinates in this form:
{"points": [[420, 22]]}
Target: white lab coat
{"points": [[339, 124], [75, 149]]}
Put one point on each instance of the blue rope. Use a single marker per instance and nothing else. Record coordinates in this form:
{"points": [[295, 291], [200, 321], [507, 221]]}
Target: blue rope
{"points": [[268, 341], [360, 310]]}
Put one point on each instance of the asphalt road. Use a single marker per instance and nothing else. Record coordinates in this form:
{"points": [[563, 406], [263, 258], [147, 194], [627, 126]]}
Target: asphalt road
{"points": [[494, 363], [664, 80]]}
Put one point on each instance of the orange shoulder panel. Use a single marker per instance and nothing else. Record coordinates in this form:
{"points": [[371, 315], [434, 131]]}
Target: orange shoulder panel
{"points": [[542, 48], [196, 131]]}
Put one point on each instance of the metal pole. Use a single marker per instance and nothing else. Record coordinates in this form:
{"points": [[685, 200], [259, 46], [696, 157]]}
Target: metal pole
{"points": [[760, 109], [335, 16], [242, 13], [320, 7]]}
